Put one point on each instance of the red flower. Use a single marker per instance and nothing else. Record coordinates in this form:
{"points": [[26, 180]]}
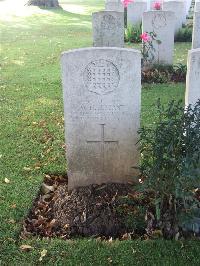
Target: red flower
{"points": [[157, 6], [126, 2], [145, 37]]}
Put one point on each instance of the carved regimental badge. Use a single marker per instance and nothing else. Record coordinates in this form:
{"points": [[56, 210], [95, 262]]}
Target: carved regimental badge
{"points": [[159, 21], [101, 77], [108, 23]]}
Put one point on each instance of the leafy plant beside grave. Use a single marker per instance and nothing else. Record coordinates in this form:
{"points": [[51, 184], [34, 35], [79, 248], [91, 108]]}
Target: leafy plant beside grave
{"points": [[148, 49], [164, 73], [133, 33], [170, 169], [184, 34]]}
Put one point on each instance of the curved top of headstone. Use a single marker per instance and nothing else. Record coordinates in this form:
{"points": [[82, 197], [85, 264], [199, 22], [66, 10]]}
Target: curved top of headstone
{"points": [[149, 13], [180, 2], [107, 11], [158, 11], [103, 49]]}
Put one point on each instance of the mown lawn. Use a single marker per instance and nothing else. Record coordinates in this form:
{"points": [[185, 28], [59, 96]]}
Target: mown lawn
{"points": [[32, 138]]}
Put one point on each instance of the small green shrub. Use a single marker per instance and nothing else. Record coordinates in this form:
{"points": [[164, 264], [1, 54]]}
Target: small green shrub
{"points": [[179, 73], [165, 73], [132, 33], [133, 210], [170, 166], [184, 34], [157, 74]]}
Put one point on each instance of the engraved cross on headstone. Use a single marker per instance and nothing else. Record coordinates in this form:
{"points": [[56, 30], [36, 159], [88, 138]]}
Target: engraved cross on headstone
{"points": [[103, 142]]}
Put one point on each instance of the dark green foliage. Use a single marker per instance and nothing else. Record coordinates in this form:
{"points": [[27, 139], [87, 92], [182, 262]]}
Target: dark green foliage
{"points": [[170, 164], [179, 73], [184, 34], [165, 73], [133, 209], [132, 33], [157, 74]]}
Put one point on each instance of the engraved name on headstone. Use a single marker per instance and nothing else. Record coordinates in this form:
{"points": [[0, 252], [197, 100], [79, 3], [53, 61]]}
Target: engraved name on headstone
{"points": [[162, 24], [193, 77], [108, 29], [102, 88]]}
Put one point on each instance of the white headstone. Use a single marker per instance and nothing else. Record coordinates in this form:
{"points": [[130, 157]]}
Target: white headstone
{"points": [[197, 6], [102, 90], [196, 31], [148, 5], [179, 9], [108, 29], [188, 5], [114, 5], [162, 24], [193, 77], [135, 11]]}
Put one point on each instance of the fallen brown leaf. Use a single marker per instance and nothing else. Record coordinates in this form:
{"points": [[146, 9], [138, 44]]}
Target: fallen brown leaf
{"points": [[25, 247], [27, 168], [47, 189], [6, 180], [43, 254], [11, 221]]}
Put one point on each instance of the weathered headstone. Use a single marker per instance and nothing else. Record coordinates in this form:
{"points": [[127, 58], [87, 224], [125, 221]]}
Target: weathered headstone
{"points": [[135, 11], [108, 29], [179, 9], [197, 6], [102, 88], [114, 5], [196, 31], [193, 77], [148, 5], [188, 5], [162, 24]]}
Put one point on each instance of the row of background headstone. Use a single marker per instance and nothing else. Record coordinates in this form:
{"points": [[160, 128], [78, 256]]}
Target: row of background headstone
{"points": [[162, 23], [136, 9]]}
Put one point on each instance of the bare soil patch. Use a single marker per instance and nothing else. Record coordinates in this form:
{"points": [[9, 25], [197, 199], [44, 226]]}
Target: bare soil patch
{"points": [[95, 210]]}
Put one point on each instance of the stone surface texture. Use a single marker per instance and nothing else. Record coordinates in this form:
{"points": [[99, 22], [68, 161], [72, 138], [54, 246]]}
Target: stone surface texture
{"points": [[193, 77], [197, 6], [162, 23], [179, 9], [114, 5], [102, 90], [135, 11], [108, 29], [196, 31]]}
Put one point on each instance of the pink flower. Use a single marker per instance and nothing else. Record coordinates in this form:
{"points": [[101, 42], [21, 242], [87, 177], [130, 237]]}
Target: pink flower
{"points": [[157, 6], [145, 37], [126, 2]]}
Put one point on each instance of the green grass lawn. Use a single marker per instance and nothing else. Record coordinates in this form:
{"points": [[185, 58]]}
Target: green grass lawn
{"points": [[32, 138]]}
